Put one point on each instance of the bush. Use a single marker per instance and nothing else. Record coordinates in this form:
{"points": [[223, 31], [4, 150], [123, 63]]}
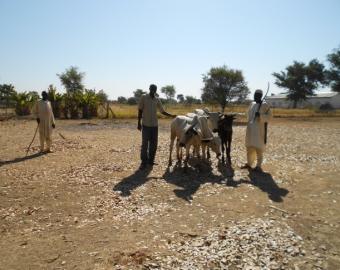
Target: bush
{"points": [[132, 101]]}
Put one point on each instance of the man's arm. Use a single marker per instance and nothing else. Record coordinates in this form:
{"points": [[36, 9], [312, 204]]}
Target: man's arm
{"points": [[36, 112], [140, 112], [139, 125], [168, 114], [161, 109]]}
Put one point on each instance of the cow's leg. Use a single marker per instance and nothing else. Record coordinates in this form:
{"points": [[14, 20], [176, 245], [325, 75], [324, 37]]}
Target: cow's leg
{"points": [[198, 151], [172, 140], [223, 147], [208, 153], [229, 148], [177, 151], [204, 151]]}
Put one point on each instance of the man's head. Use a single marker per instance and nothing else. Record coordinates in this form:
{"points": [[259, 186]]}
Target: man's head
{"points": [[258, 95], [153, 89], [44, 95]]}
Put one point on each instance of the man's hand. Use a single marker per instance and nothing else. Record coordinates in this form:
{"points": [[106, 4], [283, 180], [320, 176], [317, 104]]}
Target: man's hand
{"points": [[38, 120], [53, 125], [257, 114], [139, 126]]}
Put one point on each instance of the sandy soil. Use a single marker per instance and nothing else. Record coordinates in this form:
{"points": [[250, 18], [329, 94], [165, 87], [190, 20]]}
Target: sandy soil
{"points": [[86, 207]]}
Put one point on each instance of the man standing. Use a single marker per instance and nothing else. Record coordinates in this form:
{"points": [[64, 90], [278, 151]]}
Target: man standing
{"points": [[45, 119], [259, 114], [147, 112]]}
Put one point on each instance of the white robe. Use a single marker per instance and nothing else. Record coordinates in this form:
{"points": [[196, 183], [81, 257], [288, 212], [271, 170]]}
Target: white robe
{"points": [[255, 127], [43, 110]]}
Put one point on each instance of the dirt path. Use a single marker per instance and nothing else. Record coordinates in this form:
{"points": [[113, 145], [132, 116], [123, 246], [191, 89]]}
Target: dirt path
{"points": [[86, 207]]}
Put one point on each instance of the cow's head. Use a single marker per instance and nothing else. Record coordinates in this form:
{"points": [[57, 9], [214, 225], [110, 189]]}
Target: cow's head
{"points": [[225, 123], [186, 136], [215, 144], [214, 118]]}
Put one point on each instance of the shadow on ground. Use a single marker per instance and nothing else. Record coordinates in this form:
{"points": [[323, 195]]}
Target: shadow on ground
{"points": [[189, 178], [133, 181], [21, 159]]}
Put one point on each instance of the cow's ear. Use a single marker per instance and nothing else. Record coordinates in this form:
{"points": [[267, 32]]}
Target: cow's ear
{"points": [[194, 131]]}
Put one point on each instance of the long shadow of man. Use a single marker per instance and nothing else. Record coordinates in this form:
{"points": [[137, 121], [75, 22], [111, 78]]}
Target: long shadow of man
{"points": [[266, 183], [17, 160], [133, 181]]}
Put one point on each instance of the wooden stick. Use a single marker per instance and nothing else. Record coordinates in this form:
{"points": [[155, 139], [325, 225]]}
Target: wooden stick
{"points": [[35, 133], [278, 209], [62, 136]]}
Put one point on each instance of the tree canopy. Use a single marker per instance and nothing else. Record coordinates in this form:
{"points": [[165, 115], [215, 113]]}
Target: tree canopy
{"points": [[333, 74], [72, 79], [301, 80], [223, 85], [169, 91]]}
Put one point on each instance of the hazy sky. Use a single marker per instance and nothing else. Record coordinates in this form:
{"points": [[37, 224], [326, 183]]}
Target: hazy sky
{"points": [[128, 44]]}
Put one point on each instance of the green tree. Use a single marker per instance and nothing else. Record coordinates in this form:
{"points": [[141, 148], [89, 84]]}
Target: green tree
{"points": [[333, 74], [192, 100], [122, 100], [102, 97], [169, 91], [7, 95], [72, 80], [180, 98], [24, 102], [89, 103], [132, 101], [301, 80], [223, 85], [55, 99], [138, 94]]}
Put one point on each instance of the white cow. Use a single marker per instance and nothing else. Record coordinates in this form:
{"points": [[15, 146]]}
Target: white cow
{"points": [[192, 132], [186, 136], [213, 117]]}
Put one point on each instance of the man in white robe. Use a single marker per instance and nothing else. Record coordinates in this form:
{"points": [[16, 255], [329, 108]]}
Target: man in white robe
{"points": [[45, 119], [258, 115]]}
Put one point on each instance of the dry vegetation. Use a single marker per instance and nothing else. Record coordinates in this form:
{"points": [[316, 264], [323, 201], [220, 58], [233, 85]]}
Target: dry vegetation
{"points": [[129, 111], [86, 207]]}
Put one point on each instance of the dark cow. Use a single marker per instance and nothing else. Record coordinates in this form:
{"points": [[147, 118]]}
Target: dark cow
{"points": [[225, 132]]}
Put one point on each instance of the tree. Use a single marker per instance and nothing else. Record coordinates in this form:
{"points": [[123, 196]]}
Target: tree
{"points": [[138, 94], [102, 97], [333, 74], [192, 100], [180, 98], [169, 91], [132, 101], [122, 100], [72, 80], [223, 85], [7, 95], [301, 80], [24, 102], [89, 103], [55, 99]]}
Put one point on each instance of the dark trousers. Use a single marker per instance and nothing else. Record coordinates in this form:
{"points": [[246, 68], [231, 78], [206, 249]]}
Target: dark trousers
{"points": [[149, 144]]}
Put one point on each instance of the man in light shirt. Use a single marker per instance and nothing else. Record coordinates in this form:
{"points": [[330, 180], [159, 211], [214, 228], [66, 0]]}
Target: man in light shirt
{"points": [[148, 124], [259, 114], [45, 119]]}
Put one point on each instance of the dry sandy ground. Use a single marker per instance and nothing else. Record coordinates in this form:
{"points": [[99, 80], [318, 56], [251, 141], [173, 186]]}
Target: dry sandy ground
{"points": [[86, 207]]}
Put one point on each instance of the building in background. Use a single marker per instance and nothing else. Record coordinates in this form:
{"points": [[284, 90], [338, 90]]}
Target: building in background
{"points": [[281, 101]]}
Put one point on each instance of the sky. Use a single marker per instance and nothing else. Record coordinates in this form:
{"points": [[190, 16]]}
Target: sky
{"points": [[124, 45]]}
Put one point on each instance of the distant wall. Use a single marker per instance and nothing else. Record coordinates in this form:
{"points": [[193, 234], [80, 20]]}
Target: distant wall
{"points": [[310, 102]]}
